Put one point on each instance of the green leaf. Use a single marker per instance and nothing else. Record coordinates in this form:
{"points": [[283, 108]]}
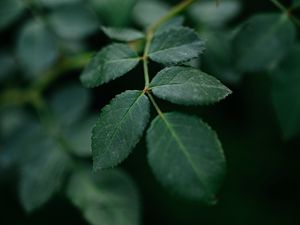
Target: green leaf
{"points": [[173, 23], [296, 3], [10, 10], [7, 65], [80, 141], [114, 12], [110, 63], [123, 34], [73, 21], [43, 170], [119, 128], [69, 104], [286, 95], [147, 12], [187, 86], [56, 3], [37, 49], [186, 156], [270, 36], [175, 46], [219, 57], [207, 13], [109, 197]]}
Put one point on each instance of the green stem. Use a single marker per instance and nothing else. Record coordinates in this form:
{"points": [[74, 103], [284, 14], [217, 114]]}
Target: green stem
{"points": [[173, 12], [279, 5], [150, 33], [160, 113]]}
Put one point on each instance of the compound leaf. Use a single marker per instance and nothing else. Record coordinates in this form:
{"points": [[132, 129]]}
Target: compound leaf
{"points": [[175, 46], [188, 86], [123, 34], [270, 36], [119, 128], [286, 95], [109, 197], [110, 63], [186, 156]]}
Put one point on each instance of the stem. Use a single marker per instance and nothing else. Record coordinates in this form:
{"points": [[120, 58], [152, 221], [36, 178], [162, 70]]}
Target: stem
{"points": [[160, 113], [150, 33], [279, 5], [173, 12]]}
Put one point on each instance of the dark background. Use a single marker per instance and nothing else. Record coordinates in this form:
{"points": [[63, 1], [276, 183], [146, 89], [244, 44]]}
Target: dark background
{"points": [[262, 184]]}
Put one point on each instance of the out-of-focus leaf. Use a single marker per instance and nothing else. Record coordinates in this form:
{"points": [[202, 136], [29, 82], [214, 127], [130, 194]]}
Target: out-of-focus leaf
{"points": [[37, 49], [123, 34], [173, 23], [175, 46], [7, 65], [119, 128], [110, 63], [186, 156], [108, 197], [73, 21], [79, 136], [69, 104], [43, 170], [219, 58], [10, 10], [212, 15], [55, 3], [262, 41], [187, 86], [114, 12], [286, 93], [148, 11]]}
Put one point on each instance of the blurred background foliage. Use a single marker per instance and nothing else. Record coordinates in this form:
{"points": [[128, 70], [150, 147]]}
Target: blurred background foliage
{"points": [[46, 116]]}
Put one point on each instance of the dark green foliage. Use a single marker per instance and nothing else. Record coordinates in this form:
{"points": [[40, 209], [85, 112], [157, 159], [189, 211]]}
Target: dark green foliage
{"points": [[59, 141]]}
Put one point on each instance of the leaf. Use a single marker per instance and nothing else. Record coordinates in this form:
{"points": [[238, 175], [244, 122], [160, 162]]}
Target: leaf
{"points": [[296, 3], [43, 170], [7, 65], [37, 49], [187, 86], [69, 104], [219, 57], [173, 23], [73, 21], [56, 3], [80, 140], [119, 128], [108, 197], [270, 36], [10, 10], [147, 12], [114, 12], [186, 156], [123, 34], [110, 63], [208, 14], [286, 95], [175, 46]]}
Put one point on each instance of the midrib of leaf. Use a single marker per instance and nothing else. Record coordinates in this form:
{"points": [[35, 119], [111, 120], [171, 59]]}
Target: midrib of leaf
{"points": [[123, 118], [121, 60], [183, 148]]}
